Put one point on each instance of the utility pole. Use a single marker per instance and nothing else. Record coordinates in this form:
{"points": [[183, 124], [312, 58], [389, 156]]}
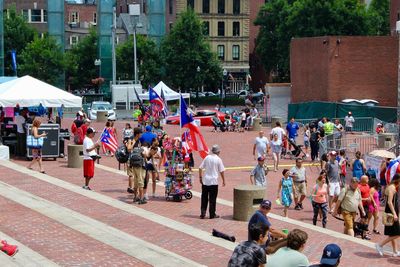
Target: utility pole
{"points": [[113, 35]]}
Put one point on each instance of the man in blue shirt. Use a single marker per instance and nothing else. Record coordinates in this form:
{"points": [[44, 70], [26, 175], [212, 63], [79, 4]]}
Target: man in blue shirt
{"points": [[292, 127], [147, 137]]}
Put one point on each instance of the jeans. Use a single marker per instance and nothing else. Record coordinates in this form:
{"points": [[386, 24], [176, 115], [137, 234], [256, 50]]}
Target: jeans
{"points": [[324, 208], [209, 194]]}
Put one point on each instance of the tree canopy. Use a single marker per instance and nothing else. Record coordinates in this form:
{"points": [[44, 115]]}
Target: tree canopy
{"points": [[184, 50], [148, 58], [43, 59], [282, 20]]}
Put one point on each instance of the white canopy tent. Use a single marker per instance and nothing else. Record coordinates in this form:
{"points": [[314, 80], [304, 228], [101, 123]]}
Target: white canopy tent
{"points": [[28, 92], [168, 93]]}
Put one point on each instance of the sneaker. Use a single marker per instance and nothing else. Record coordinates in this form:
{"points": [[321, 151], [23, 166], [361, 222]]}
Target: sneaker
{"points": [[146, 197], [142, 201], [379, 249], [10, 250], [136, 199], [301, 205], [397, 254], [87, 188], [153, 195], [130, 190], [297, 207]]}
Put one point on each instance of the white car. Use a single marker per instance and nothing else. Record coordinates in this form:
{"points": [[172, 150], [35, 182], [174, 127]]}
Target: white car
{"points": [[101, 106]]}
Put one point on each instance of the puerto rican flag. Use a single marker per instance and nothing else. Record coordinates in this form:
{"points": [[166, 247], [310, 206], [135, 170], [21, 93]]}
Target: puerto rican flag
{"points": [[392, 169], [158, 106], [108, 141], [197, 140]]}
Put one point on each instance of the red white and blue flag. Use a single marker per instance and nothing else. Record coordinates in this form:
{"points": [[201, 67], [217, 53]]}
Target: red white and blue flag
{"points": [[108, 141], [158, 106], [165, 111], [392, 169], [197, 142]]}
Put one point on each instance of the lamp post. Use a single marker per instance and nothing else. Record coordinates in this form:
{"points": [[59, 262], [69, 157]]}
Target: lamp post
{"points": [[198, 75], [97, 63], [134, 11], [225, 74]]}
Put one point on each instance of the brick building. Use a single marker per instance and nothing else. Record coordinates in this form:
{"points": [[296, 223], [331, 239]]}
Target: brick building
{"points": [[339, 67], [394, 15], [35, 12]]}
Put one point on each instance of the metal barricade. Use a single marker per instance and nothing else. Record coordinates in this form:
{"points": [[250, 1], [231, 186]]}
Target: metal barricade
{"points": [[351, 143]]}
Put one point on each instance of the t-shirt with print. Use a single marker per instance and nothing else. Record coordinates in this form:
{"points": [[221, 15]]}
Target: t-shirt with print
{"points": [[248, 254], [261, 145], [292, 128]]}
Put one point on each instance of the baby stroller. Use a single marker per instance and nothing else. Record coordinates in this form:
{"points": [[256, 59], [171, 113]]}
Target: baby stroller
{"points": [[218, 125], [297, 151], [178, 186]]}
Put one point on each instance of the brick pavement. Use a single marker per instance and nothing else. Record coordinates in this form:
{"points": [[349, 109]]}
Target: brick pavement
{"points": [[114, 185]]}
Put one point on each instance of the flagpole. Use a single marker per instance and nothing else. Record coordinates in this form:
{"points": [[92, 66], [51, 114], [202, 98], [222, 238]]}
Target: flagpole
{"points": [[180, 114]]}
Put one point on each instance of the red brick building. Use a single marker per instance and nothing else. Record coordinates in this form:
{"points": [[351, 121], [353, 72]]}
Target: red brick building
{"points": [[335, 68], [394, 15]]}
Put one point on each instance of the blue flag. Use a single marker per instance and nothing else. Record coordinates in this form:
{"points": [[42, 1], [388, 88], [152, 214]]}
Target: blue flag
{"points": [[14, 60]]}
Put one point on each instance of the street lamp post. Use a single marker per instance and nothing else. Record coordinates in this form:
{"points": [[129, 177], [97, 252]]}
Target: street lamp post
{"points": [[198, 75], [97, 63], [224, 73], [134, 11]]}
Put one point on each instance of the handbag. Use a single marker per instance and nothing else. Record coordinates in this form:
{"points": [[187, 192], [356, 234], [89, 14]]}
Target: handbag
{"points": [[35, 143], [387, 219]]}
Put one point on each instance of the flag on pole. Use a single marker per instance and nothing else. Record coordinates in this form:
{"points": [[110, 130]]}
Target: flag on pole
{"points": [[14, 60], [158, 106], [197, 140], [142, 109], [165, 111], [108, 141]]}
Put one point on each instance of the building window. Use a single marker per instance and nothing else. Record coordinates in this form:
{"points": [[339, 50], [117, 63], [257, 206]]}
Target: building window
{"points": [[236, 7], [25, 14], [206, 28], [74, 17], [144, 7], [190, 4], [235, 52], [171, 7], [221, 6], [221, 28], [206, 6], [236, 28], [170, 26], [36, 15], [73, 40], [44, 15], [221, 52], [94, 18]]}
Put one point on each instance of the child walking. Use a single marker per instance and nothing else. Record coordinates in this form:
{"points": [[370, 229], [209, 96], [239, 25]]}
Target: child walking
{"points": [[285, 191], [89, 156]]}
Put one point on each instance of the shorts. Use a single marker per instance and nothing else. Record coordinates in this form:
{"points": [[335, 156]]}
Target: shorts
{"points": [[150, 167], [138, 174], [334, 189], [88, 168], [300, 189], [366, 210], [306, 144], [349, 218], [243, 124]]}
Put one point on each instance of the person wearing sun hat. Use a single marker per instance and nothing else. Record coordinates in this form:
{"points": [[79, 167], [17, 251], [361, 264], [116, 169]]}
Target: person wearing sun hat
{"points": [[257, 175], [330, 256]]}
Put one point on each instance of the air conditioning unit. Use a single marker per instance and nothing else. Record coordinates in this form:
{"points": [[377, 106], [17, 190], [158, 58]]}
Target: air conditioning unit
{"points": [[92, 23]]}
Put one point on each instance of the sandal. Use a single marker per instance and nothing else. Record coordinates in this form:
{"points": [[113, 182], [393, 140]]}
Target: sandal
{"points": [[43, 172], [376, 232]]}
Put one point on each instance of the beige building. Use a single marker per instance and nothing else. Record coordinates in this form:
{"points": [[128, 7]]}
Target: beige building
{"points": [[227, 23]]}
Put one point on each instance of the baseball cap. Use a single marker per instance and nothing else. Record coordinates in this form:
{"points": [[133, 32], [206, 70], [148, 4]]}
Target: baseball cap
{"points": [[266, 204], [261, 158], [90, 130], [331, 254]]}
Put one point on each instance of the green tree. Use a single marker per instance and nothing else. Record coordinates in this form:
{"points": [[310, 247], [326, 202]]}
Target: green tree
{"points": [[43, 59], [148, 59], [17, 34], [80, 68], [184, 49], [379, 11], [282, 20]]}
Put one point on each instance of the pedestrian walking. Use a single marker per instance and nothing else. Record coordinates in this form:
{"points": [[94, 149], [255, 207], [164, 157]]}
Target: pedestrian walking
{"points": [[358, 166], [37, 150], [349, 122], [258, 174], [212, 166], [373, 208], [366, 199], [276, 148], [285, 191], [306, 139], [278, 131], [391, 208], [320, 199], [292, 127], [332, 170], [337, 134], [314, 138], [127, 132], [348, 204], [298, 173], [342, 167], [89, 156], [261, 145]]}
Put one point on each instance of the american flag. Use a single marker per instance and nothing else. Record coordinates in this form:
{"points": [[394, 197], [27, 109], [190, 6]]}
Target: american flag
{"points": [[158, 105], [108, 140]]}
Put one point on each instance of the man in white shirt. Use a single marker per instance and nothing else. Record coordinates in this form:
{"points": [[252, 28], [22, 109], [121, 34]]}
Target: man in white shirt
{"points": [[278, 131], [349, 121], [89, 156], [261, 145], [213, 167], [20, 121]]}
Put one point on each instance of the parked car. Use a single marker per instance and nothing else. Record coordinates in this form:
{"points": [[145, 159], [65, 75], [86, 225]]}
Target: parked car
{"points": [[193, 94], [204, 116], [101, 106], [243, 93], [209, 94]]}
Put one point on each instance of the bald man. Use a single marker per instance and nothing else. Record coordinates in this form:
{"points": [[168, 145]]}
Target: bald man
{"points": [[261, 146]]}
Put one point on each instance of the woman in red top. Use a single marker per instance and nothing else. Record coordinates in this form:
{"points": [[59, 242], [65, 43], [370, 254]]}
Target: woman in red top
{"points": [[319, 199]]}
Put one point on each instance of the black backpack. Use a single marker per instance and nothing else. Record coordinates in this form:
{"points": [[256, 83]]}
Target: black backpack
{"points": [[135, 157], [122, 154]]}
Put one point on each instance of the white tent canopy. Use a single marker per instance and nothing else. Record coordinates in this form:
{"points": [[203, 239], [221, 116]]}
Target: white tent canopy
{"points": [[28, 92], [168, 93]]}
